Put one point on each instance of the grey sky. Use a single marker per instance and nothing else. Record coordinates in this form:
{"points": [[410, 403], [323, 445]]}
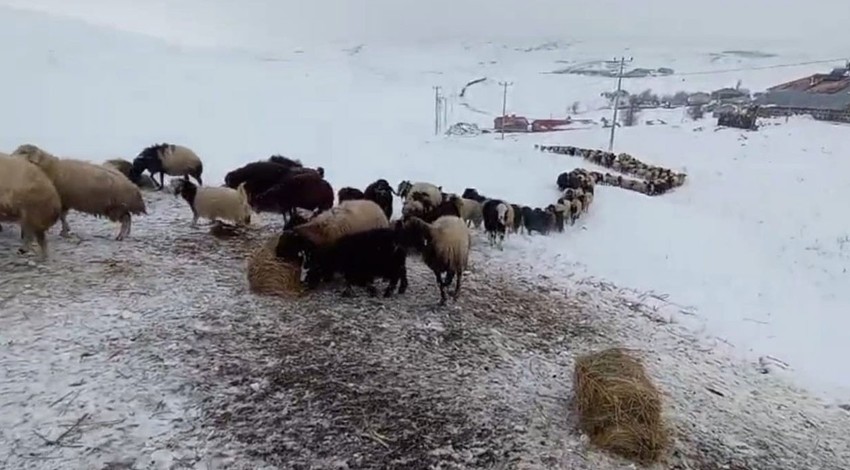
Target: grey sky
{"points": [[290, 22]]}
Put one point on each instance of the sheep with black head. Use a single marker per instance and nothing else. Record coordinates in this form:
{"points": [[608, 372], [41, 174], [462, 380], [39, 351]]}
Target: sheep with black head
{"points": [[167, 159], [361, 258], [433, 193], [444, 246], [381, 193], [349, 194]]}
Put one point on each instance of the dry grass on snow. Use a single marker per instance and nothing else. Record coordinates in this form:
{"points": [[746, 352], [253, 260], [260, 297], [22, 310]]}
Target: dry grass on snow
{"points": [[172, 362]]}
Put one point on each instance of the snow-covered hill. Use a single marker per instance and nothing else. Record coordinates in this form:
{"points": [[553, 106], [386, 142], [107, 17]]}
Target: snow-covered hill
{"points": [[751, 255]]}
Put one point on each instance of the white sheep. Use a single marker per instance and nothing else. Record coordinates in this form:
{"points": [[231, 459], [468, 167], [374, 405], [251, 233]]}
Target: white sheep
{"points": [[444, 245], [215, 202], [471, 212], [347, 217], [88, 188], [433, 193], [28, 198]]}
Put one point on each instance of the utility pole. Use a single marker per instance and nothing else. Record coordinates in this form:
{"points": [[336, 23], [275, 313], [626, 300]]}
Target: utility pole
{"points": [[436, 110], [505, 86], [617, 101]]}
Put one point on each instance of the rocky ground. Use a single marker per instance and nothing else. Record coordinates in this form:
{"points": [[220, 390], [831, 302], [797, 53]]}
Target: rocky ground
{"points": [[151, 353]]}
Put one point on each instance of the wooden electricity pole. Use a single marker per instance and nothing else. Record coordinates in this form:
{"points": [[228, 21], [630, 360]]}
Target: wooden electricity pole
{"points": [[436, 110], [617, 101], [505, 86]]}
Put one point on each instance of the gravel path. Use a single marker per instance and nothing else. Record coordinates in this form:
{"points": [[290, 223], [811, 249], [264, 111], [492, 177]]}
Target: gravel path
{"points": [[152, 354]]}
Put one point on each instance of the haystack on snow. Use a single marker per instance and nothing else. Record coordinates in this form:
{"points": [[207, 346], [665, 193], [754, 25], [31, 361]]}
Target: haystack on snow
{"points": [[619, 407], [268, 275]]}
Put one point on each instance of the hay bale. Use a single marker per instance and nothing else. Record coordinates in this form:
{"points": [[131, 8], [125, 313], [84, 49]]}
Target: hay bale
{"points": [[619, 407], [268, 275]]}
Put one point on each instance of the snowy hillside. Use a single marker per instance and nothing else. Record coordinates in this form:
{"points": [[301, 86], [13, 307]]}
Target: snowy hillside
{"points": [[748, 260]]}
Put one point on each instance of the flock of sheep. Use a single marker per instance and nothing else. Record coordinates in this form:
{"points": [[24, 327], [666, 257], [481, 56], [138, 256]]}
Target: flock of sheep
{"points": [[355, 238], [654, 180]]}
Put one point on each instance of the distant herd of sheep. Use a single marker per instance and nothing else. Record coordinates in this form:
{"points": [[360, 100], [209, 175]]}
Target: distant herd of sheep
{"points": [[355, 238], [654, 180]]}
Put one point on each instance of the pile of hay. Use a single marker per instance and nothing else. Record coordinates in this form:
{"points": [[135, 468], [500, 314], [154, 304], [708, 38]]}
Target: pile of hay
{"points": [[619, 407], [267, 275]]}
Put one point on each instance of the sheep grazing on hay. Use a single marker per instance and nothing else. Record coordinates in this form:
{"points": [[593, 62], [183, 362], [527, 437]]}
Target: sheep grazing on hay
{"points": [[361, 257], [303, 191], [88, 188], [269, 275], [381, 193], [167, 159], [619, 408], [28, 198], [349, 194], [215, 202], [125, 167], [324, 229], [444, 245]]}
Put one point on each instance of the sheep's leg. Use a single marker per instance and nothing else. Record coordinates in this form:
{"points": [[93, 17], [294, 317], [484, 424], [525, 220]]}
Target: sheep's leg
{"points": [[371, 289], [195, 217], [66, 229], [26, 242], [457, 285], [402, 288], [126, 223], [41, 239], [161, 180], [442, 288], [449, 278], [347, 292]]}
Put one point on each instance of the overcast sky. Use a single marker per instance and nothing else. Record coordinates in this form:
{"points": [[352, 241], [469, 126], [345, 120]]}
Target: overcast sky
{"points": [[304, 22]]}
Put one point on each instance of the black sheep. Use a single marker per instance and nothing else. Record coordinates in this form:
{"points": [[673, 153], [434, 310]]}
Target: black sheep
{"points": [[472, 193], [348, 194], [518, 218], [495, 220], [287, 162], [257, 176], [360, 258], [558, 214], [381, 193], [537, 220], [306, 191]]}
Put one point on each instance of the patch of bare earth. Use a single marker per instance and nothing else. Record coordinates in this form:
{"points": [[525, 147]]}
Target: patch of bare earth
{"points": [[183, 368]]}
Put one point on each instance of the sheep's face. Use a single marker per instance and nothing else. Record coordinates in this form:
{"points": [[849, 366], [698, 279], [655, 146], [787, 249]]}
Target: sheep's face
{"points": [[31, 153], [404, 188], [291, 247]]}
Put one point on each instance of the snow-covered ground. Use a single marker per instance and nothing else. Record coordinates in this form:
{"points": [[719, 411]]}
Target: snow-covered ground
{"points": [[753, 250]]}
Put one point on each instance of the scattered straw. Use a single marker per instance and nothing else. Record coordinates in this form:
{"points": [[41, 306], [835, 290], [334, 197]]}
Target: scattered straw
{"points": [[267, 275], [619, 407]]}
